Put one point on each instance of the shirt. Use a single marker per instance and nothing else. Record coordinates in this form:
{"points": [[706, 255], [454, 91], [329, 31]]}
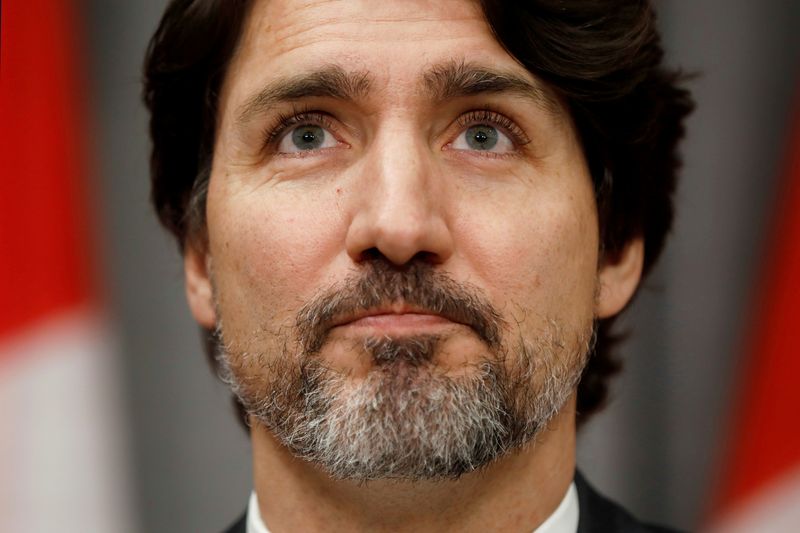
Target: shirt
{"points": [[563, 520]]}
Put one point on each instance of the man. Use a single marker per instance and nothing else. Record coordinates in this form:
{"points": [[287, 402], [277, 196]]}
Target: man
{"points": [[407, 227]]}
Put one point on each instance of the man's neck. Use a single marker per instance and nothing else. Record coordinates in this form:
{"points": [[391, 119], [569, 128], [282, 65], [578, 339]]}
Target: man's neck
{"points": [[515, 493]]}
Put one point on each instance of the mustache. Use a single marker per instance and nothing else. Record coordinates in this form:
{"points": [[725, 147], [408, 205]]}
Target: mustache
{"points": [[381, 283]]}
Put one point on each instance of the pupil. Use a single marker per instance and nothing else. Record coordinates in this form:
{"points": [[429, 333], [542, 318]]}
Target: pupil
{"points": [[308, 137], [482, 137]]}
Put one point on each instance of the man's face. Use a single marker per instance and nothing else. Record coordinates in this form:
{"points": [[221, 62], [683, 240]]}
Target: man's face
{"points": [[397, 210]]}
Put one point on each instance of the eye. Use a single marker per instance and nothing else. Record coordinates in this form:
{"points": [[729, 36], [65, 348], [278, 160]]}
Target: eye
{"points": [[305, 138], [483, 138], [488, 132]]}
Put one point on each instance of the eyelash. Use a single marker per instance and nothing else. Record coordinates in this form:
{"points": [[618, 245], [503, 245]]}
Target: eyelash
{"points": [[487, 116], [296, 117]]}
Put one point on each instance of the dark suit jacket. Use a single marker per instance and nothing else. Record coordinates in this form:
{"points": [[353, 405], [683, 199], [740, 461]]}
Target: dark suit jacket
{"points": [[597, 515]]}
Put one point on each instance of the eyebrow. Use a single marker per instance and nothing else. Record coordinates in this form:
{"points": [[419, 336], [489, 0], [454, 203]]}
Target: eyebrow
{"points": [[455, 79], [444, 81], [331, 81]]}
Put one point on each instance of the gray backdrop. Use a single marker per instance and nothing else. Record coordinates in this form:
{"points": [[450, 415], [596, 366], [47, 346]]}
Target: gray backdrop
{"points": [[656, 449]]}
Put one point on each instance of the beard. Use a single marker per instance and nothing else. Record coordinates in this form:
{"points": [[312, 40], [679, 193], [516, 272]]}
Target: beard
{"points": [[407, 418]]}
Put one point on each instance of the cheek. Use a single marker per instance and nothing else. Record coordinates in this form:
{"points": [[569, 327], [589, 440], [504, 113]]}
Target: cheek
{"points": [[537, 252], [269, 249]]}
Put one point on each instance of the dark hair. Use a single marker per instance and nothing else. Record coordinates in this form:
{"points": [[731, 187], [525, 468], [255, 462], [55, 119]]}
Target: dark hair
{"points": [[603, 58]]}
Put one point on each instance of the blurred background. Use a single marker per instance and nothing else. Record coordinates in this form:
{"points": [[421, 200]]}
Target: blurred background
{"points": [[112, 422]]}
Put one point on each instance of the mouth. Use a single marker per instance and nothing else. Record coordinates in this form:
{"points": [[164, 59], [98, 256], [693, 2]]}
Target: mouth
{"points": [[396, 319]]}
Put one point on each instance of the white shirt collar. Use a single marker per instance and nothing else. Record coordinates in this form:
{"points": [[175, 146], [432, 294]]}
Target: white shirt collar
{"points": [[563, 520], [254, 522]]}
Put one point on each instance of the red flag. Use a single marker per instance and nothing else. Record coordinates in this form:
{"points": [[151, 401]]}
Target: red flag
{"points": [[45, 263], [760, 488], [61, 461]]}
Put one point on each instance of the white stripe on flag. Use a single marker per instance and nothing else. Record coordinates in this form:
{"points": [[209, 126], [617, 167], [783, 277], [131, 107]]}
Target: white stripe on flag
{"points": [[775, 509], [62, 463]]}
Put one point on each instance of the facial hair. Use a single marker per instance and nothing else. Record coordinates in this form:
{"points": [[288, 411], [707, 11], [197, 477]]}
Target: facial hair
{"points": [[407, 419]]}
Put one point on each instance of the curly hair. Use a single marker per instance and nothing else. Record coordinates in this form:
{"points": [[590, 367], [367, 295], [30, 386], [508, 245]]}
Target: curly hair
{"points": [[603, 58]]}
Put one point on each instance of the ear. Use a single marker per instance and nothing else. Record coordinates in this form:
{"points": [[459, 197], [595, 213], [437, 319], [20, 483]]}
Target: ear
{"points": [[196, 270], [619, 276]]}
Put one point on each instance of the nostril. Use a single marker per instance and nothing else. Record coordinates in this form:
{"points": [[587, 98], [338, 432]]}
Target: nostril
{"points": [[371, 254], [426, 257]]}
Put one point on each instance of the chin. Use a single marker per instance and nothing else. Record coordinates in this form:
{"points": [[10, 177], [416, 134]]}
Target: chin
{"points": [[408, 416]]}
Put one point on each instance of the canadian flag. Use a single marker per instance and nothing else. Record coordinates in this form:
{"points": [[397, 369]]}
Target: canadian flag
{"points": [[760, 484], [62, 465]]}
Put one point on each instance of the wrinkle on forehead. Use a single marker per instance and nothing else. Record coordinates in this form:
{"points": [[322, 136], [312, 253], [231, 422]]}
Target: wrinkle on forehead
{"points": [[287, 26]]}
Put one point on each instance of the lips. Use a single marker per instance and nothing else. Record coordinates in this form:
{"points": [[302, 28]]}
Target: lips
{"points": [[395, 316]]}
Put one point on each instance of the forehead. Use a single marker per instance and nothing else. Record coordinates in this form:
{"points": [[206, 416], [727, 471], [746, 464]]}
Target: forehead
{"points": [[303, 22], [393, 40]]}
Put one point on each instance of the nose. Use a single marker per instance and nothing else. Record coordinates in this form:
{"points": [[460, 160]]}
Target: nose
{"points": [[400, 211]]}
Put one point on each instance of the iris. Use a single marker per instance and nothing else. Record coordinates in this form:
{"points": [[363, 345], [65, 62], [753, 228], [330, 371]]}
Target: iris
{"points": [[481, 137], [308, 137]]}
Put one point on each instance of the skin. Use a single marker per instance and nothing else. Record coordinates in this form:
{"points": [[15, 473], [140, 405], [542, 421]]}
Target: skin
{"points": [[396, 179]]}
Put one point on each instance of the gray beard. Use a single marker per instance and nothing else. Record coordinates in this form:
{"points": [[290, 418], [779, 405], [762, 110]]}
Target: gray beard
{"points": [[407, 419]]}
